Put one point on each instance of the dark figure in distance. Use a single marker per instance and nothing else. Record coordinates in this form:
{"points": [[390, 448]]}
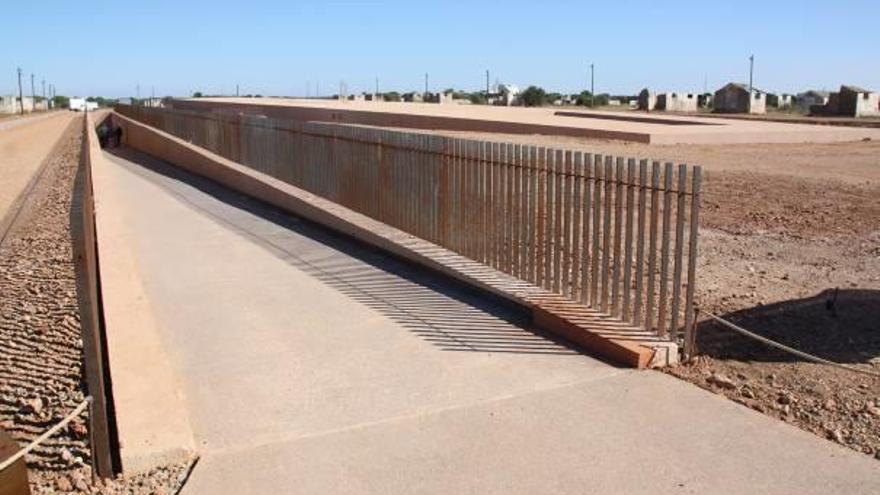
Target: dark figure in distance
{"points": [[118, 134]]}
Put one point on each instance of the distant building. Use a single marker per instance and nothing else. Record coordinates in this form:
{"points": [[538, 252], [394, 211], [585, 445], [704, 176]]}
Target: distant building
{"points": [[669, 102], [736, 98], [507, 95], [10, 104], [677, 102], [705, 100], [857, 102], [413, 97], [811, 98], [780, 101], [152, 102]]}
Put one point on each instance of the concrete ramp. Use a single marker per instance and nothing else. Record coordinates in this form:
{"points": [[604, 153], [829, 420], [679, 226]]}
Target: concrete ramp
{"points": [[311, 364]]}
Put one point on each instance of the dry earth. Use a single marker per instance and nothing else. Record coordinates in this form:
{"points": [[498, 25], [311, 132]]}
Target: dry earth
{"points": [[40, 345]]}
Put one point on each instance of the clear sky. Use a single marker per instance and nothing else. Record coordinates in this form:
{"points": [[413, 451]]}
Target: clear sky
{"points": [[289, 47]]}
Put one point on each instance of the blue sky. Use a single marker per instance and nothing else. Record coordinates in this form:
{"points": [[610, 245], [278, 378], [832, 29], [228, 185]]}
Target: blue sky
{"points": [[285, 47]]}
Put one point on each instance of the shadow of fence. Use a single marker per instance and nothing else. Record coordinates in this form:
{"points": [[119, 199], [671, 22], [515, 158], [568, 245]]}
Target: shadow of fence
{"points": [[445, 313]]}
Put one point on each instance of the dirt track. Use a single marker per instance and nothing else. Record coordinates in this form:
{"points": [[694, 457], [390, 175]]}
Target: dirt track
{"points": [[22, 149]]}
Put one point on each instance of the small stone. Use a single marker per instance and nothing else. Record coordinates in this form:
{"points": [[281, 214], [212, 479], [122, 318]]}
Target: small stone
{"points": [[63, 484], [836, 435], [82, 486], [785, 399], [830, 404], [721, 381], [34, 405], [78, 429], [747, 393], [66, 456], [872, 410]]}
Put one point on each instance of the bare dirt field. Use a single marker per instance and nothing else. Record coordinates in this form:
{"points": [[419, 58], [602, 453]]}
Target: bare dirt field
{"points": [[41, 360], [783, 227]]}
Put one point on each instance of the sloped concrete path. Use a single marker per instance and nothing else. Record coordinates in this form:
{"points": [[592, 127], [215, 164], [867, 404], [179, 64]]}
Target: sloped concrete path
{"points": [[312, 365]]}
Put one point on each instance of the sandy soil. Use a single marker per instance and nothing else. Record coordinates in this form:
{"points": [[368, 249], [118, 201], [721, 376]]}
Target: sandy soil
{"points": [[40, 345], [22, 149]]}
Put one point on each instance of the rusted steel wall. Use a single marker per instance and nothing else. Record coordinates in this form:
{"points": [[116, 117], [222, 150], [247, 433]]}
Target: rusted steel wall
{"points": [[102, 438], [613, 234]]}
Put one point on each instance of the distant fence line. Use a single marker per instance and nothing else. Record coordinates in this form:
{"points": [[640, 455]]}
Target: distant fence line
{"points": [[613, 234]]}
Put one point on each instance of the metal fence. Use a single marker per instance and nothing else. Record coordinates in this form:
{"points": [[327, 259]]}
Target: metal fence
{"points": [[617, 235]]}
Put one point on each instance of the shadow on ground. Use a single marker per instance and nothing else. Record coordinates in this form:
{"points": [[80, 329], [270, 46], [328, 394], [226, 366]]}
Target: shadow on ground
{"points": [[448, 314], [841, 326]]}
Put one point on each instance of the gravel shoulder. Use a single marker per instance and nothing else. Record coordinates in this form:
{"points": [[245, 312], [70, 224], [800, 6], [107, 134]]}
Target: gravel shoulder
{"points": [[40, 346]]}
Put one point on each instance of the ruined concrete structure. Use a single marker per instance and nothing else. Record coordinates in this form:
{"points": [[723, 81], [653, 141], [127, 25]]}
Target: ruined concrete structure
{"points": [[857, 102], [736, 98], [9, 104], [850, 101], [669, 102]]}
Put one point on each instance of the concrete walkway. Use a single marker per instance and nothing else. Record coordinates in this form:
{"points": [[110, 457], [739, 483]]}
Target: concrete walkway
{"points": [[312, 365]]}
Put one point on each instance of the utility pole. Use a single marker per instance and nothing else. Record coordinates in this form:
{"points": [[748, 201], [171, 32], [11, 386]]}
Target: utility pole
{"points": [[426, 86], [487, 86], [44, 94], [236, 90], [592, 86], [377, 88], [33, 95], [20, 94], [751, 78]]}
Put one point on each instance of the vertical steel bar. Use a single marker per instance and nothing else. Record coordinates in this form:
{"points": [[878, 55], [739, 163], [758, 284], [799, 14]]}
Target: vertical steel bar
{"points": [[678, 251], [652, 245], [532, 222], [692, 265], [606, 233], [618, 228], [597, 227], [541, 216], [627, 250], [576, 224], [565, 222], [558, 200], [662, 328]]}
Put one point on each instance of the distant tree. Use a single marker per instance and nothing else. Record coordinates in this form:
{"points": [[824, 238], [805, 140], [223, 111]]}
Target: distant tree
{"points": [[197, 94], [533, 96], [584, 98], [601, 100], [478, 98], [391, 96], [60, 101], [552, 97]]}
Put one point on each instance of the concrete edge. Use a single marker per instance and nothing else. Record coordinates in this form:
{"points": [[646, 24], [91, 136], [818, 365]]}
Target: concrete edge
{"points": [[292, 199], [150, 414]]}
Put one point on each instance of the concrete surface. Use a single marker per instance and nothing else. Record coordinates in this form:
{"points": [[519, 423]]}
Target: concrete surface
{"points": [[24, 145], [311, 365], [151, 421], [626, 126]]}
